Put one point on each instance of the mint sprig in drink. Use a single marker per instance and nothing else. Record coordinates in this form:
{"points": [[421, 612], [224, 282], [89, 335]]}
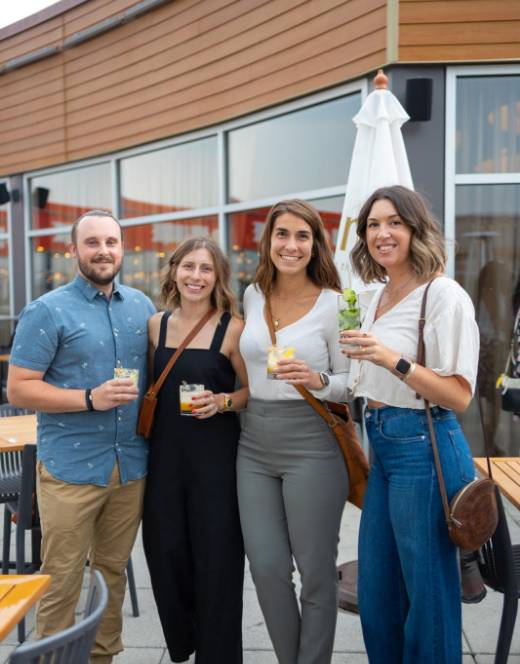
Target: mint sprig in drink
{"points": [[348, 311]]}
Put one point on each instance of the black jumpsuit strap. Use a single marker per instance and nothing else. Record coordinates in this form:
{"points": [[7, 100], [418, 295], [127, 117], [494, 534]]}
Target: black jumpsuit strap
{"points": [[220, 331], [163, 328]]}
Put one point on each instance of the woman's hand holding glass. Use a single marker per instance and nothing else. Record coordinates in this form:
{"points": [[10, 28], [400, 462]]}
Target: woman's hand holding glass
{"points": [[365, 346], [298, 372], [205, 405]]}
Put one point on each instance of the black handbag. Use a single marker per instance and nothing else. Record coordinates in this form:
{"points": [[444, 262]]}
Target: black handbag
{"points": [[509, 382]]}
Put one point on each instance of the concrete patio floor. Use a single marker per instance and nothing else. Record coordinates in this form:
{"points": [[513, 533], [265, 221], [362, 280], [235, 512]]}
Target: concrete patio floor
{"points": [[144, 642]]}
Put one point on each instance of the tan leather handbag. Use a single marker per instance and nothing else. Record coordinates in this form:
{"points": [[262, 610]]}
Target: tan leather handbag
{"points": [[149, 402], [338, 417]]}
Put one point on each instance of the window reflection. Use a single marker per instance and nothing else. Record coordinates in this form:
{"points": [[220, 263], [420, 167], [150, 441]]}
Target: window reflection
{"points": [[304, 150], [4, 278], [52, 263], [245, 231], [59, 198], [488, 124], [488, 267], [149, 246], [3, 220], [182, 177]]}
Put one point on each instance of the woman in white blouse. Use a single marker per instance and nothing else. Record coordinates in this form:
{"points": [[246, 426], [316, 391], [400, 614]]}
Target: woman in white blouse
{"points": [[408, 588], [292, 480]]}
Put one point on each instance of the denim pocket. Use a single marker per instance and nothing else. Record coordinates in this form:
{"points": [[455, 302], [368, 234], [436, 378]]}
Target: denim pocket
{"points": [[402, 428], [462, 455]]}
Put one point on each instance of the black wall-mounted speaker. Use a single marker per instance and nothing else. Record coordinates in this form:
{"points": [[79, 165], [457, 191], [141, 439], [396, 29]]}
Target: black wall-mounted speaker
{"points": [[418, 101], [41, 194], [5, 196]]}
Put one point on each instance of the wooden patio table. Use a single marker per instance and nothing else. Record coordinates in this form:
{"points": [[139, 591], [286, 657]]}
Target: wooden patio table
{"points": [[18, 592], [506, 473], [16, 431]]}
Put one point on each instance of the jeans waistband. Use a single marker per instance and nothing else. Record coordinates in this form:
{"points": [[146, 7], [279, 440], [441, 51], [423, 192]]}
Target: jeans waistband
{"points": [[379, 414]]}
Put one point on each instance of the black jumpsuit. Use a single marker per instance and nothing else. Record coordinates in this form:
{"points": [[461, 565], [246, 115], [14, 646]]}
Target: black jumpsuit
{"points": [[191, 528]]}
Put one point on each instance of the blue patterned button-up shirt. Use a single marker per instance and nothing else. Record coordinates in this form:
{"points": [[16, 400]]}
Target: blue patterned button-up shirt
{"points": [[76, 336]]}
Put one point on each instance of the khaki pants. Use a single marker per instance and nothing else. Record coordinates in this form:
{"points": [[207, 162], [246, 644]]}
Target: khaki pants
{"points": [[81, 521]]}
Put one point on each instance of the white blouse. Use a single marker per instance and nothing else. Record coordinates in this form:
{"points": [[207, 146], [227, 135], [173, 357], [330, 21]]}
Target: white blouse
{"points": [[451, 339], [315, 338]]}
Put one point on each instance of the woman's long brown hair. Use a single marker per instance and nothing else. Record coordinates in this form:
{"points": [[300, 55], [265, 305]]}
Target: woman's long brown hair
{"points": [[320, 270]]}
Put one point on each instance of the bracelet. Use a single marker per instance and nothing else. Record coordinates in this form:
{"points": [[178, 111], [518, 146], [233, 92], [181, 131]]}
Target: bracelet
{"points": [[410, 371], [88, 399]]}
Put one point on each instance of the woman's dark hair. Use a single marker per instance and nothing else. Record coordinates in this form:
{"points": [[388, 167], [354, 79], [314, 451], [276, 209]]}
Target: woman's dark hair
{"points": [[427, 252], [321, 269], [222, 297]]}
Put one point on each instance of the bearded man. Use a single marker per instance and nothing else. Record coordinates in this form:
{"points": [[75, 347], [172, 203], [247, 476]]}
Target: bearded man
{"points": [[91, 463]]}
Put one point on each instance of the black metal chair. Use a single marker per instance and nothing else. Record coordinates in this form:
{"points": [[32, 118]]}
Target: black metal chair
{"points": [[500, 569], [73, 644]]}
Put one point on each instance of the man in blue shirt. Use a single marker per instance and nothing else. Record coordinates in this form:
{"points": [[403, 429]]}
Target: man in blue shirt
{"points": [[91, 462]]}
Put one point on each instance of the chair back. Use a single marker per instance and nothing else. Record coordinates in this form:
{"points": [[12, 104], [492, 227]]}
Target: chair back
{"points": [[74, 643], [7, 410], [10, 461], [497, 565]]}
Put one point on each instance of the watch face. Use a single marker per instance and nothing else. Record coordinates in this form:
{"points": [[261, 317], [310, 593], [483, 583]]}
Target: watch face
{"points": [[324, 379], [403, 366], [228, 403]]}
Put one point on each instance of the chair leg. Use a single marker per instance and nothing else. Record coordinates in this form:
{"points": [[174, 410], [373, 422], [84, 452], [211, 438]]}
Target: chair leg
{"points": [[507, 625], [36, 545], [20, 569], [6, 552], [131, 588]]}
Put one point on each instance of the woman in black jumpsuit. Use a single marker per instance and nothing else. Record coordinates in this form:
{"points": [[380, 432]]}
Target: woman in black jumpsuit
{"points": [[191, 529]]}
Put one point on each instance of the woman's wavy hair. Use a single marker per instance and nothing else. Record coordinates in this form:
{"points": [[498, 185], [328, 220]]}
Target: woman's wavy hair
{"points": [[321, 269], [222, 296], [427, 251]]}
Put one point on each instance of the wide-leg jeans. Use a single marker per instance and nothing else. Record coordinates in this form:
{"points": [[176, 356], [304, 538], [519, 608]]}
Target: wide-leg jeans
{"points": [[408, 586]]}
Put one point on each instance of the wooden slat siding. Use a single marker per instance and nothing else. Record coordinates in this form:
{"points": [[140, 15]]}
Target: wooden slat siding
{"points": [[41, 36], [212, 94], [456, 11], [93, 12], [52, 32], [157, 31], [170, 72], [205, 63], [218, 78], [458, 30]]}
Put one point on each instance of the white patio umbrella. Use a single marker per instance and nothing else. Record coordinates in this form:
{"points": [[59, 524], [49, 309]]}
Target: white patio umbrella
{"points": [[378, 160]]}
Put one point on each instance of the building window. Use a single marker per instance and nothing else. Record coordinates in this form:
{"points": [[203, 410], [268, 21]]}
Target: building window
{"points": [[52, 263], [306, 150], [488, 124], [59, 198], [483, 217], [182, 177]]}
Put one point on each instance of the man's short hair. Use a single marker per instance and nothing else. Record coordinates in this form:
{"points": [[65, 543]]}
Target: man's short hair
{"points": [[92, 213]]}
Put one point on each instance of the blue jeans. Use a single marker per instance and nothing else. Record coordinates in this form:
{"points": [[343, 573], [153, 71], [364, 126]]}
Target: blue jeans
{"points": [[408, 586]]}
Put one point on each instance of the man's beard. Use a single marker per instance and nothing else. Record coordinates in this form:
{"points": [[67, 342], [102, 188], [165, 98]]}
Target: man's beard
{"points": [[88, 271]]}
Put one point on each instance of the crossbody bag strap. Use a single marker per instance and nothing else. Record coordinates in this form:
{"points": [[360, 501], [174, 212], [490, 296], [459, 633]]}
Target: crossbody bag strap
{"points": [[308, 396], [421, 356], [155, 387]]}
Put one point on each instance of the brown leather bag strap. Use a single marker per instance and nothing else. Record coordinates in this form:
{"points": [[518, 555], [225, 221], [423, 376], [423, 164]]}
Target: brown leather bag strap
{"points": [[155, 387], [421, 356], [308, 396]]}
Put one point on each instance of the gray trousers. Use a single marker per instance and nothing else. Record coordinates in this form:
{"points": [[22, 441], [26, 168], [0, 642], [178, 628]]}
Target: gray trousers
{"points": [[292, 488]]}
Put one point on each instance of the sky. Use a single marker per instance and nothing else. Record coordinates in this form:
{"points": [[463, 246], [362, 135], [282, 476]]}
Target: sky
{"points": [[11, 11]]}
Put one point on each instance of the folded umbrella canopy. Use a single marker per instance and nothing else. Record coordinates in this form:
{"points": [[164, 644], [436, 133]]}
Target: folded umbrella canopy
{"points": [[378, 160]]}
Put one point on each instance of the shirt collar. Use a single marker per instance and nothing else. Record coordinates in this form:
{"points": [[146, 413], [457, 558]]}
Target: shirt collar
{"points": [[90, 292]]}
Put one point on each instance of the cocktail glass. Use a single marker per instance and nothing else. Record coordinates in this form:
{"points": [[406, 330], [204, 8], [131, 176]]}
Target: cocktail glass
{"points": [[274, 355], [122, 372], [186, 393]]}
